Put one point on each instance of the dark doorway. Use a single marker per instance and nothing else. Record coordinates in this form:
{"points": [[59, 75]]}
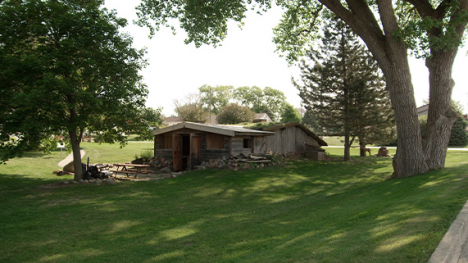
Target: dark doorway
{"points": [[185, 151]]}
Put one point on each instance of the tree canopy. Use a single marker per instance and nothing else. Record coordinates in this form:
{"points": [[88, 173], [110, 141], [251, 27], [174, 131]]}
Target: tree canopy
{"points": [[64, 66], [290, 114], [267, 100], [215, 98], [191, 108], [234, 113], [431, 29]]}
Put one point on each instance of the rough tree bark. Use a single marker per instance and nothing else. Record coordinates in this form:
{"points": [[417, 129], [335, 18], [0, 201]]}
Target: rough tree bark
{"points": [[347, 145], [75, 140], [362, 147], [441, 115], [409, 159]]}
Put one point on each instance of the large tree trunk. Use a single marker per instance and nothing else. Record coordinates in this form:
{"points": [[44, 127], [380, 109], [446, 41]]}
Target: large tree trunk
{"points": [[409, 159], [362, 148], [75, 142], [347, 146], [441, 113]]}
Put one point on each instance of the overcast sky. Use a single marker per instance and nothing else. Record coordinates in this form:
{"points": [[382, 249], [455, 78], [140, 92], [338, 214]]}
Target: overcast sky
{"points": [[246, 58]]}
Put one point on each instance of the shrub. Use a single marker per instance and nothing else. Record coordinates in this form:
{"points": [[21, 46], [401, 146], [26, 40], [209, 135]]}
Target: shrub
{"points": [[458, 136], [146, 154], [290, 114], [235, 113]]}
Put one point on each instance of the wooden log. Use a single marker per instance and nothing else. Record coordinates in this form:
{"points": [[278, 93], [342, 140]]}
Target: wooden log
{"points": [[257, 157], [260, 161]]}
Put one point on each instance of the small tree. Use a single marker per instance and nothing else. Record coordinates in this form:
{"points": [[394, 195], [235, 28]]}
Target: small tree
{"points": [[148, 120], [274, 100], [215, 98], [251, 97], [192, 113], [290, 114], [344, 89], [458, 135], [234, 113], [310, 121], [268, 100], [191, 109]]}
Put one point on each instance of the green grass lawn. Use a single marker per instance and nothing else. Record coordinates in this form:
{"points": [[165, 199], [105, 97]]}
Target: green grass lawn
{"points": [[334, 140], [112, 153], [302, 211]]}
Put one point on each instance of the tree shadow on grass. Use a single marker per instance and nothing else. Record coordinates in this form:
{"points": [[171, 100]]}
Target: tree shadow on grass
{"points": [[270, 215], [14, 182]]}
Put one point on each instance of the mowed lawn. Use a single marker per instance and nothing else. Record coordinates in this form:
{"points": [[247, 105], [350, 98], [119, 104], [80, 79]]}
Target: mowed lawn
{"points": [[301, 211]]}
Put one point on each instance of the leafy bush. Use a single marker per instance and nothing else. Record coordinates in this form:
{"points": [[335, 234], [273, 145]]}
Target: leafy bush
{"points": [[146, 154], [235, 113], [458, 136], [290, 114]]}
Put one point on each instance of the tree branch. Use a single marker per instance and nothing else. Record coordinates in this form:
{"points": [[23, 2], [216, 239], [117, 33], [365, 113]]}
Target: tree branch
{"points": [[362, 20], [423, 7]]}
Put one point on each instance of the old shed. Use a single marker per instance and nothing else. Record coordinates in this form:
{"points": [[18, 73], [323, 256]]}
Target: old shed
{"points": [[293, 138], [188, 144]]}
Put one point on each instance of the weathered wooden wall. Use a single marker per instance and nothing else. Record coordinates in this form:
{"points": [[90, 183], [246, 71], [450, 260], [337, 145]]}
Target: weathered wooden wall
{"points": [[163, 145], [285, 140], [237, 146], [208, 153]]}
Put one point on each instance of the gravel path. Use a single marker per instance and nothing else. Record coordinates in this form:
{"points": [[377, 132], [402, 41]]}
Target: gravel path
{"points": [[69, 158]]}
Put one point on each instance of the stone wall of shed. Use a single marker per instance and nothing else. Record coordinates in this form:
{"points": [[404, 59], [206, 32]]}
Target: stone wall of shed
{"points": [[314, 154]]}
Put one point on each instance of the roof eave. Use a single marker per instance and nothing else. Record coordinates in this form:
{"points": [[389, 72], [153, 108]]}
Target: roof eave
{"points": [[301, 126], [254, 133]]}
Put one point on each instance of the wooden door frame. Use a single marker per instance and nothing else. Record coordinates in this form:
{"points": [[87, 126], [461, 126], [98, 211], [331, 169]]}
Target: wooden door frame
{"points": [[195, 150], [176, 152]]}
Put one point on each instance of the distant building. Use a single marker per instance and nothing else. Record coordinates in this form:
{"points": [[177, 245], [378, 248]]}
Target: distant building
{"points": [[169, 121], [261, 117], [213, 120], [423, 110]]}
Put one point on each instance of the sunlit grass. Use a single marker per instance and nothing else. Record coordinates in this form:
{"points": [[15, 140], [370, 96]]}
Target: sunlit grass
{"points": [[302, 211]]}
